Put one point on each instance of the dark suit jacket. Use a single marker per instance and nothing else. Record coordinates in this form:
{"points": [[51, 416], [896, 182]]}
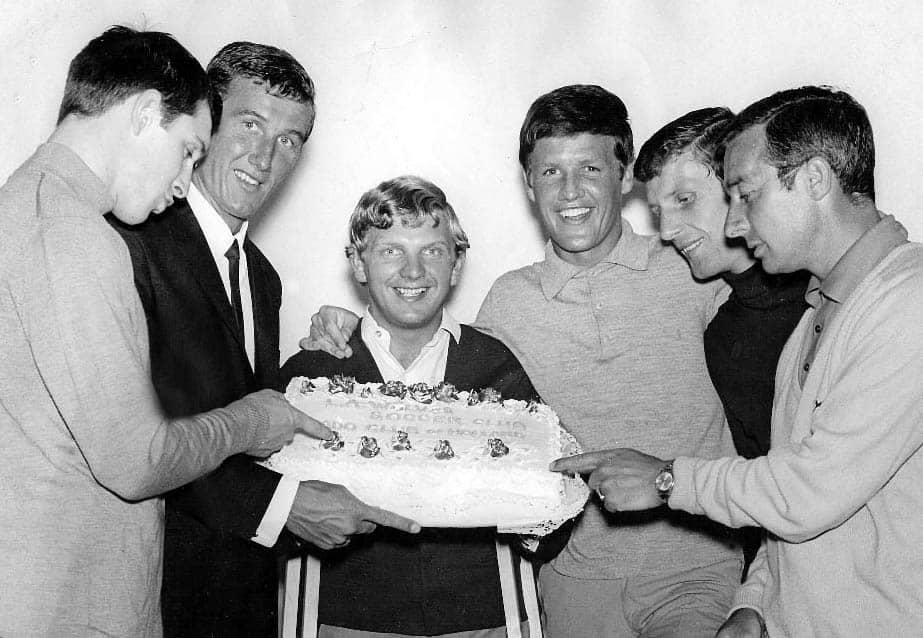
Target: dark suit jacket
{"points": [[442, 580], [216, 581]]}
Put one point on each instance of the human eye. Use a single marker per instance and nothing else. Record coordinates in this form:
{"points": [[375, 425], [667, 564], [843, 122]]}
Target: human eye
{"points": [[288, 142], [249, 125], [434, 251], [590, 168], [685, 199]]}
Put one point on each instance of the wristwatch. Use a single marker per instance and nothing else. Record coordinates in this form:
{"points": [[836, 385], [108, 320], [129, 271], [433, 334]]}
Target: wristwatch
{"points": [[663, 482]]}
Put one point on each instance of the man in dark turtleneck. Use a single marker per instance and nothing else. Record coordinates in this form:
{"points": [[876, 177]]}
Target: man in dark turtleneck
{"points": [[745, 338]]}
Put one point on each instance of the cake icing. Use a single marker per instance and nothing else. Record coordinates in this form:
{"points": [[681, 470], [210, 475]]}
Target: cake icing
{"points": [[441, 457]]}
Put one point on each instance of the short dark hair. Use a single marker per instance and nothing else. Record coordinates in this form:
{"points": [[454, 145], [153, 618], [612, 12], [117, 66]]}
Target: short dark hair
{"points": [[276, 68], [123, 62], [698, 132], [814, 121], [575, 109], [409, 198]]}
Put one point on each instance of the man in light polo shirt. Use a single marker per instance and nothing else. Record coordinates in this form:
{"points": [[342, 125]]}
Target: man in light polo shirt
{"points": [[839, 490]]}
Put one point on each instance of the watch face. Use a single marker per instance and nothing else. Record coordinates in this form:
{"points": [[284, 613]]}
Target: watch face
{"points": [[664, 481]]}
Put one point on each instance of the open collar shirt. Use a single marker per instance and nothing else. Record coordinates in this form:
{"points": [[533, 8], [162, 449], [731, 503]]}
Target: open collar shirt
{"points": [[428, 366], [828, 296]]}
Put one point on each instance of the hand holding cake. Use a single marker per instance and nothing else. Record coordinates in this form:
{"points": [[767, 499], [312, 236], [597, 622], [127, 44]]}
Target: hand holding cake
{"points": [[327, 515]]}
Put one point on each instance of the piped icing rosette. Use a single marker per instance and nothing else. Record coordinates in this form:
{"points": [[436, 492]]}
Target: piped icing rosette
{"points": [[449, 458]]}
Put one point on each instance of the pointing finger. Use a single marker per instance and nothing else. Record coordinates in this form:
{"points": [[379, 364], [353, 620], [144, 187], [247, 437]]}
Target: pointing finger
{"points": [[579, 464], [312, 427], [390, 519]]}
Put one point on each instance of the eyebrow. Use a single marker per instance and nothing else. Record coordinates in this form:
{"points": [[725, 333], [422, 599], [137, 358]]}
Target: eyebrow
{"points": [[730, 183]]}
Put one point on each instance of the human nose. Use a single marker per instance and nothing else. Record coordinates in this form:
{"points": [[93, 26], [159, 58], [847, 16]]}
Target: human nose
{"points": [[571, 188], [669, 229], [412, 267], [181, 183], [736, 224], [262, 154]]}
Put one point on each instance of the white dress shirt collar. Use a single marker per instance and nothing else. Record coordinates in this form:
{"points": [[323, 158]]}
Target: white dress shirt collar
{"points": [[216, 230], [429, 365]]}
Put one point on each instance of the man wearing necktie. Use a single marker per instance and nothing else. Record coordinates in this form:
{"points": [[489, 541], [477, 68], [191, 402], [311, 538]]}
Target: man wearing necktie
{"points": [[212, 302]]}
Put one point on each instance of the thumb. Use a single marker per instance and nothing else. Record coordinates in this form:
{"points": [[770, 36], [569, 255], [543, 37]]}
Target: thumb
{"points": [[390, 519], [312, 427]]}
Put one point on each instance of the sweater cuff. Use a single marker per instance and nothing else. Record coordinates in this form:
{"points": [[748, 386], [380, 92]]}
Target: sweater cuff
{"points": [[747, 597], [250, 417], [683, 496]]}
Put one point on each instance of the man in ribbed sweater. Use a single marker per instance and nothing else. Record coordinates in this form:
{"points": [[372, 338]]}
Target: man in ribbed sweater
{"points": [[839, 491]]}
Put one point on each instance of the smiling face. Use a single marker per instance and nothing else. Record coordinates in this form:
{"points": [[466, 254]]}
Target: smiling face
{"points": [[577, 184], [410, 271], [775, 221], [688, 199], [157, 162], [257, 145]]}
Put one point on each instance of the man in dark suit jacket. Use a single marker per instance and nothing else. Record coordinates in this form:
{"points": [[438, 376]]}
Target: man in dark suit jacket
{"points": [[213, 320], [408, 248]]}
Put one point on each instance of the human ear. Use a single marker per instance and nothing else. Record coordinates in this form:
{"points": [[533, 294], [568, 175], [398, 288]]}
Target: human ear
{"points": [[457, 268], [527, 179], [628, 179], [818, 177], [146, 110], [357, 265]]}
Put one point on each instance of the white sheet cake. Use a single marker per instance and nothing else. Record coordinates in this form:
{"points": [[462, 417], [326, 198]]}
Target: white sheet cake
{"points": [[440, 457]]}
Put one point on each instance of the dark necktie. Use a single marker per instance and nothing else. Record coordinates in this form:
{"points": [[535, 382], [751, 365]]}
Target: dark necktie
{"points": [[233, 255]]}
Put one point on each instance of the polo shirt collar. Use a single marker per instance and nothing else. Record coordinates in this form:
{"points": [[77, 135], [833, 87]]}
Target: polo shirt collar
{"points": [[873, 246], [631, 251]]}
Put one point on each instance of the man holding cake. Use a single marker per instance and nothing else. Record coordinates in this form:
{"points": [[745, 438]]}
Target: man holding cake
{"points": [[213, 319], [407, 248], [839, 489], [86, 448], [610, 329]]}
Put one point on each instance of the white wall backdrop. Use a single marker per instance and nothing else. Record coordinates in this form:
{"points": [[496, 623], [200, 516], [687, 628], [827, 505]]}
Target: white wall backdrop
{"points": [[439, 88]]}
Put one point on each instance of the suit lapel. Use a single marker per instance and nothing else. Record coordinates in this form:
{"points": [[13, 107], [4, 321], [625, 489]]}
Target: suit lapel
{"points": [[194, 250]]}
